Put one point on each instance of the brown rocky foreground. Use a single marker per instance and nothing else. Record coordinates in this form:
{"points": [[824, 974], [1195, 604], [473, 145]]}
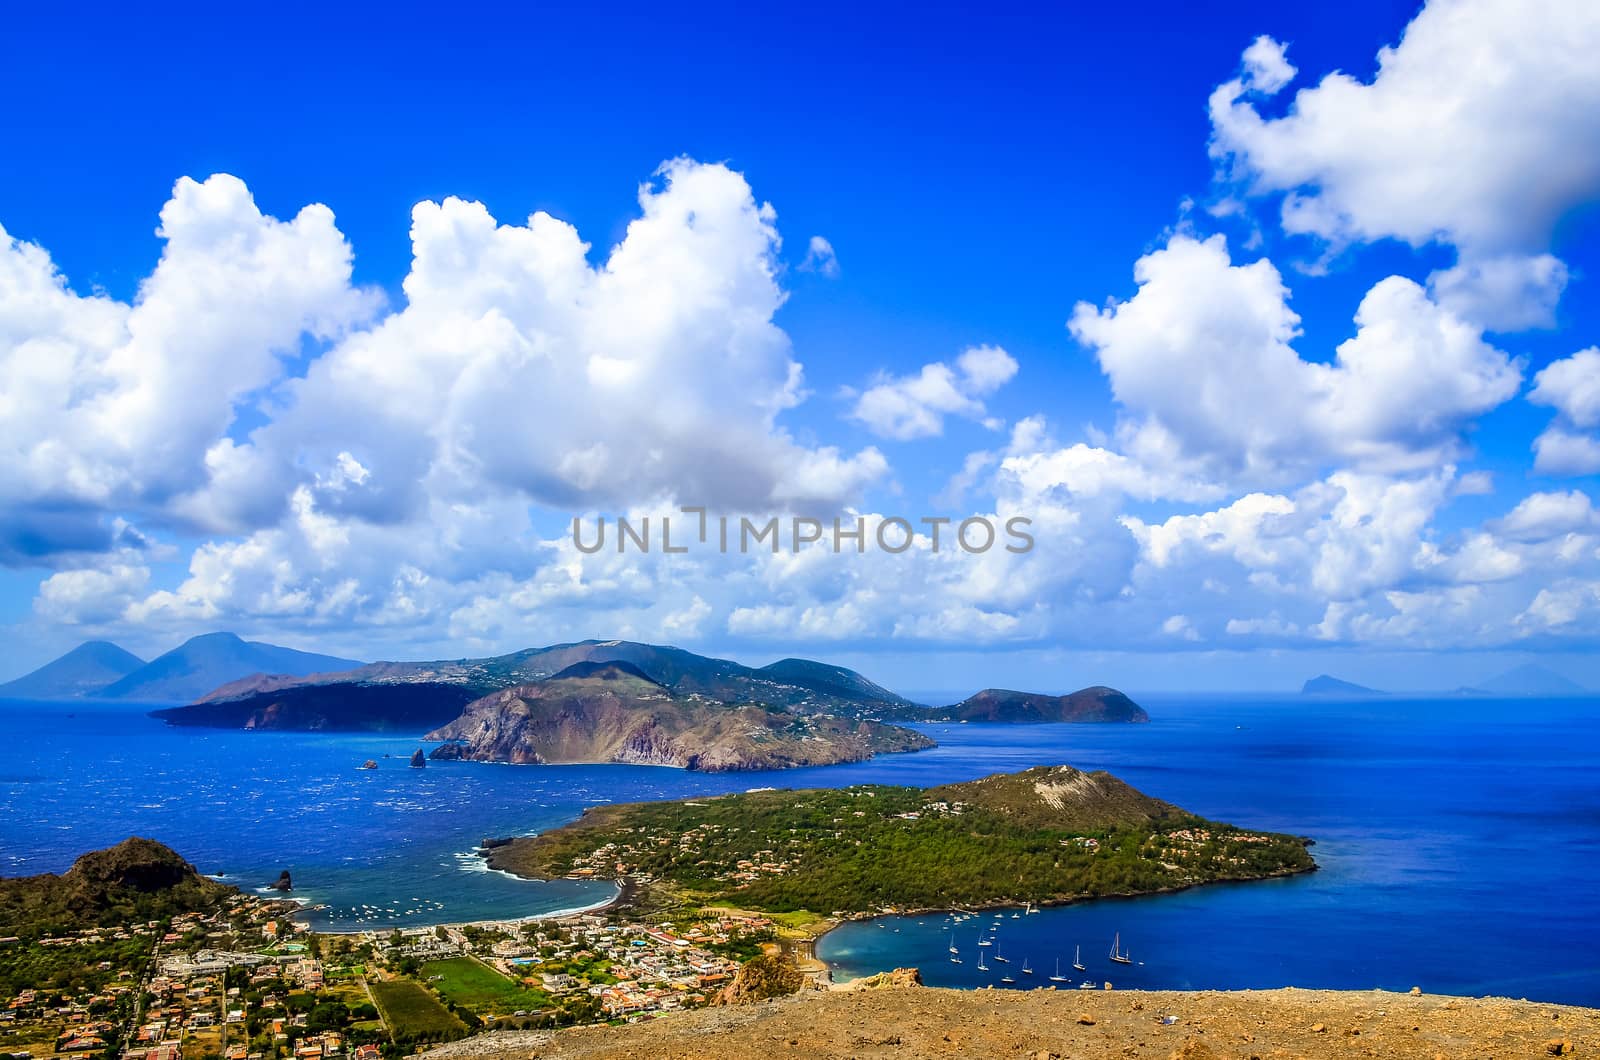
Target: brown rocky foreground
{"points": [[925, 1022]]}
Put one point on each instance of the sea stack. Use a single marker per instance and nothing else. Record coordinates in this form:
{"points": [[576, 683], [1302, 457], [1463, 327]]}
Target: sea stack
{"points": [[419, 760], [282, 883]]}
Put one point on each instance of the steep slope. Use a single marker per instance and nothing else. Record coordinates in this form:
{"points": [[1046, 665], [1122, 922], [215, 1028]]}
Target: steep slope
{"points": [[615, 712], [1097, 704], [83, 671], [138, 879], [202, 663], [1323, 685]]}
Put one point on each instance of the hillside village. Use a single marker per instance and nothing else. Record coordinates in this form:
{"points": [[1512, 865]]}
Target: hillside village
{"points": [[248, 983]]}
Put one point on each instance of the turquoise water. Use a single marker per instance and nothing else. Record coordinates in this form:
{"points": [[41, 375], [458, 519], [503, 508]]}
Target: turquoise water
{"points": [[1459, 839]]}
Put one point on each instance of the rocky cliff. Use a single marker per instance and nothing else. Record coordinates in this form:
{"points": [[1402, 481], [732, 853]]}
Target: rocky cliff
{"points": [[614, 712]]}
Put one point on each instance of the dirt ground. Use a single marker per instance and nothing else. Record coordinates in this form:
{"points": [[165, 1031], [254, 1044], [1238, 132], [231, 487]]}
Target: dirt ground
{"points": [[924, 1022]]}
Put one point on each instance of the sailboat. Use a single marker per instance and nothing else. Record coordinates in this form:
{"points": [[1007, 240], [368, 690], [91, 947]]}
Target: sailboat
{"points": [[1002, 960], [1030, 909], [981, 966], [953, 943], [1025, 969], [1058, 977], [1077, 958], [1116, 951], [986, 942], [1007, 979]]}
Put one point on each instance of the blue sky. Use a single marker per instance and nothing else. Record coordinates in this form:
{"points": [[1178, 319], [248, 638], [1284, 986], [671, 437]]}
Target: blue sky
{"points": [[976, 178]]}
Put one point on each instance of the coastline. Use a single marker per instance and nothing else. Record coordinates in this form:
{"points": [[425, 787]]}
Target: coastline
{"points": [[833, 923]]}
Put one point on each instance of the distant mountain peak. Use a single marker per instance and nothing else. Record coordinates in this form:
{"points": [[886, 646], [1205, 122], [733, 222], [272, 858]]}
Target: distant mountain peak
{"points": [[1324, 685], [220, 637], [204, 662], [83, 671], [1530, 679]]}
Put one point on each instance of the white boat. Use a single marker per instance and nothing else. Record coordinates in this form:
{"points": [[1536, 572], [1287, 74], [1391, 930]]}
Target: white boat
{"points": [[981, 966], [1002, 960], [1025, 969], [986, 942], [1016, 916], [1077, 958], [1117, 955], [1087, 985], [1007, 979], [953, 943], [1058, 977], [955, 960], [1030, 909]]}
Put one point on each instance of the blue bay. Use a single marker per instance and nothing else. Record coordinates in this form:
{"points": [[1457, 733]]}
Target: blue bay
{"points": [[1458, 839]]}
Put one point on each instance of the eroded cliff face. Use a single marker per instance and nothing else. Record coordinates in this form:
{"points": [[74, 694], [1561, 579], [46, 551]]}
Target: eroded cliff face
{"points": [[614, 713]]}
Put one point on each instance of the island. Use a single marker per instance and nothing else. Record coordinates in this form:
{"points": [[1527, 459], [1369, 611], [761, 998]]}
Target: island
{"points": [[1096, 704], [1051, 834], [1333, 687], [614, 712], [425, 696]]}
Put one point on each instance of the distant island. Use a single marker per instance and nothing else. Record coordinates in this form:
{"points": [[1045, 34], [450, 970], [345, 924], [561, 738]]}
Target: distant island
{"points": [[102, 670], [1323, 685], [1048, 834], [83, 671], [1097, 704], [1526, 680], [626, 702]]}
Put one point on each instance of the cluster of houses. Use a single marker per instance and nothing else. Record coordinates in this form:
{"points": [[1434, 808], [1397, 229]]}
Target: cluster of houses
{"points": [[654, 968]]}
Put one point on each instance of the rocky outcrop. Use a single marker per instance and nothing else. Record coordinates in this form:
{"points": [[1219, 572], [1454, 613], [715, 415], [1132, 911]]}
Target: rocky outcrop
{"points": [[762, 979], [899, 979], [136, 880], [282, 883], [1096, 704], [615, 713], [419, 760]]}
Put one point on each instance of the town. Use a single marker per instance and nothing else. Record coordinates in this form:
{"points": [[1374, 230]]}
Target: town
{"points": [[248, 983]]}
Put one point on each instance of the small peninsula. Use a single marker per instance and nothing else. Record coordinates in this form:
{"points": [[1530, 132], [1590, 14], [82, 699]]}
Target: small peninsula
{"points": [[614, 712], [1047, 834]]}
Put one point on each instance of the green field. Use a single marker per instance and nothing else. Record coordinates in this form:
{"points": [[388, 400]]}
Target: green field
{"points": [[474, 985], [413, 1014]]}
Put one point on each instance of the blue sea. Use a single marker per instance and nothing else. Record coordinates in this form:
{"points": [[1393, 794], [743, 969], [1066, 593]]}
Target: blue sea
{"points": [[1459, 840]]}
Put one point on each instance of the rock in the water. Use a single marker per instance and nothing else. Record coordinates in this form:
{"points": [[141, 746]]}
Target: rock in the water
{"points": [[369, 764], [419, 760], [282, 883]]}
